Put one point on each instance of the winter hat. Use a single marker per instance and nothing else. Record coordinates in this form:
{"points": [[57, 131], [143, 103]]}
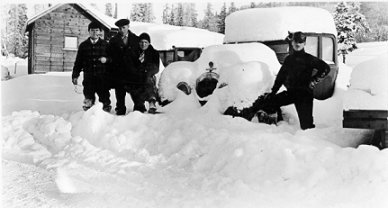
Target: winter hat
{"points": [[299, 37], [94, 25], [145, 36], [122, 22]]}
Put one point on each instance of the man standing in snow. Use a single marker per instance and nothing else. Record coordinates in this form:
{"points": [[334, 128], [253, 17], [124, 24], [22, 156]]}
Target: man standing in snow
{"points": [[296, 75], [149, 64], [126, 77], [91, 59]]}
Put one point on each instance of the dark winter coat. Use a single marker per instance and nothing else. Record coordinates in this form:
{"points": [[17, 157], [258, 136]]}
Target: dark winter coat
{"points": [[87, 59], [150, 65], [123, 59], [297, 72]]}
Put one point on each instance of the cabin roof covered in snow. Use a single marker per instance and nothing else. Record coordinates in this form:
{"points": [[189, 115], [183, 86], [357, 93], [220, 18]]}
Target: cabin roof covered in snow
{"points": [[268, 24], [99, 16]]}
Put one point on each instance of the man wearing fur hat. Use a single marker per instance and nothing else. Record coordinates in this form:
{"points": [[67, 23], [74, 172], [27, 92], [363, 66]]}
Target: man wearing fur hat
{"points": [[126, 76], [149, 64], [92, 60]]}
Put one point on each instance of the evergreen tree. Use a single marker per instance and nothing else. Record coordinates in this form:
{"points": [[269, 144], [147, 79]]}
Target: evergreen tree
{"points": [[221, 19], [348, 22], [376, 14], [189, 15], [149, 14], [193, 15], [179, 15], [172, 16], [16, 41], [166, 14], [142, 12], [108, 9], [209, 21], [232, 8]]}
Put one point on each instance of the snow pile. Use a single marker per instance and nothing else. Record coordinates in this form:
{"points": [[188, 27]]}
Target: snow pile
{"points": [[164, 37], [266, 24], [198, 159], [368, 85], [248, 69], [189, 156]]}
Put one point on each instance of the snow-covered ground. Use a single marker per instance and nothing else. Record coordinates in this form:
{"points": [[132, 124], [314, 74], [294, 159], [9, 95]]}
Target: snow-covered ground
{"points": [[56, 155]]}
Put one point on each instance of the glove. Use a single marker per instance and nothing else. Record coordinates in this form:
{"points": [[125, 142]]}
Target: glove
{"points": [[268, 95], [74, 80]]}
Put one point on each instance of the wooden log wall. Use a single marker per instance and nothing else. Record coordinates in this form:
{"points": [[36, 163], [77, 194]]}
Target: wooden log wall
{"points": [[49, 38]]}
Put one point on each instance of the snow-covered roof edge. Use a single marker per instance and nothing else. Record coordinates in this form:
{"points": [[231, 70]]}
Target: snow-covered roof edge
{"points": [[102, 18]]}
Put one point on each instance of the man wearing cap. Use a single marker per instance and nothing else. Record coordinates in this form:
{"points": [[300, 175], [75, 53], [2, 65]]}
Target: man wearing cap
{"points": [[296, 75], [148, 63], [92, 60], [126, 76]]}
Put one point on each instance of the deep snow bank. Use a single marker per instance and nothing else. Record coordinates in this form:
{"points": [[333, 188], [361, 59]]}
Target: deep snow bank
{"points": [[196, 159]]}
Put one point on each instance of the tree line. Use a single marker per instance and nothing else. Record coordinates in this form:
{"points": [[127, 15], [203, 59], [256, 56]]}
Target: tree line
{"points": [[355, 22]]}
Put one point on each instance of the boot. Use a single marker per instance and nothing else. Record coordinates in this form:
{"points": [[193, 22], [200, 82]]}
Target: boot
{"points": [[107, 108], [152, 107], [88, 103]]}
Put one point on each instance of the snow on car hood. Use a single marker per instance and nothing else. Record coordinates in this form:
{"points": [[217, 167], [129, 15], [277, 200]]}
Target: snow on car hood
{"points": [[248, 69]]}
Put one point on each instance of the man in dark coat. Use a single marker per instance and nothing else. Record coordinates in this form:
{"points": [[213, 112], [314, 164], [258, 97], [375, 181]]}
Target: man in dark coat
{"points": [[91, 59], [296, 74], [149, 64], [126, 77]]}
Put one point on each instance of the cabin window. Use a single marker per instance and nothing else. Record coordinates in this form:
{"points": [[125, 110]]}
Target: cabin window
{"points": [[312, 45], [71, 43], [328, 50]]}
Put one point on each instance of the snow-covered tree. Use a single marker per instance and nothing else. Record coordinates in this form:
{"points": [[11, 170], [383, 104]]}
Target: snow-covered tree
{"points": [[108, 9], [190, 15], [232, 8], [348, 21], [179, 15], [15, 39], [209, 21], [221, 19], [142, 12], [166, 14]]}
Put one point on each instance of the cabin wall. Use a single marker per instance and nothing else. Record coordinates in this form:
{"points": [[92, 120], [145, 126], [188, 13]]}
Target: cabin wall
{"points": [[49, 32]]}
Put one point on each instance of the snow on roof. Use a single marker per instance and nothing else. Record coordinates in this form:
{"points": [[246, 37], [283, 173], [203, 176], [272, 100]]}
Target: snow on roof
{"points": [[163, 37], [266, 24], [99, 16]]}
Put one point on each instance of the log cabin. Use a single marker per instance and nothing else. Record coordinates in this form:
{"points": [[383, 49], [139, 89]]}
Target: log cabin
{"points": [[55, 34]]}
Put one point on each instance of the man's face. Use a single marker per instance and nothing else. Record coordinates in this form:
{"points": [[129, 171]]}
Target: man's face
{"points": [[298, 46], [123, 30], [94, 33], [144, 44]]}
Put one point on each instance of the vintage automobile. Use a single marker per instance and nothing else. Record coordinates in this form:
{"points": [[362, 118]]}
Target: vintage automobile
{"points": [[255, 40]]}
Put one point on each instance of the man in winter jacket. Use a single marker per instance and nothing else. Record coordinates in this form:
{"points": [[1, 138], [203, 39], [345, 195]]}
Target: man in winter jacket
{"points": [[296, 75], [126, 77], [92, 60], [149, 64]]}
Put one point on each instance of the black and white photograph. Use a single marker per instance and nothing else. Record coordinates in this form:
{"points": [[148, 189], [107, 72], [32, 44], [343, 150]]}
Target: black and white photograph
{"points": [[194, 104]]}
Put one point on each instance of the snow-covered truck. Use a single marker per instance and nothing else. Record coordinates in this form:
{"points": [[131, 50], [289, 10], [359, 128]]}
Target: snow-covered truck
{"points": [[255, 45]]}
